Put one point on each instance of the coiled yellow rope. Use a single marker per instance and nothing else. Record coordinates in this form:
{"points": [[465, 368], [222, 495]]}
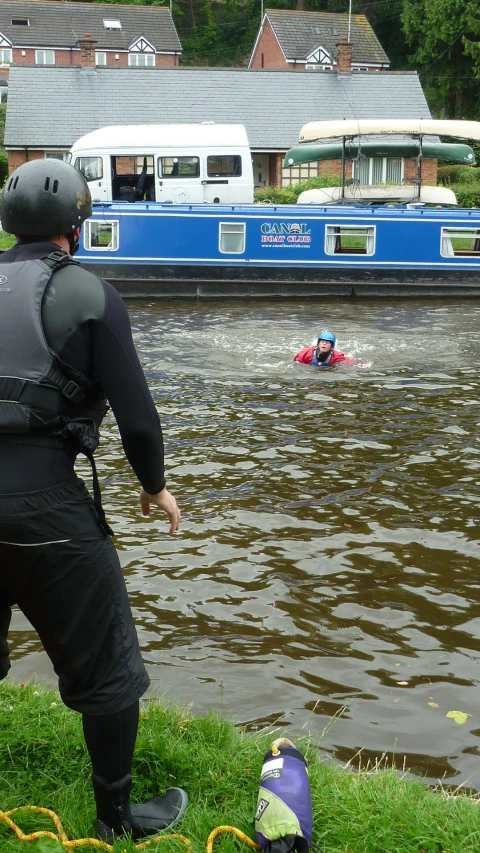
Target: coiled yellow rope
{"points": [[102, 845]]}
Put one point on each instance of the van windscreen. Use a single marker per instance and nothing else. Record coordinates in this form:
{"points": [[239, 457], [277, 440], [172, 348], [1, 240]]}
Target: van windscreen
{"points": [[90, 167]]}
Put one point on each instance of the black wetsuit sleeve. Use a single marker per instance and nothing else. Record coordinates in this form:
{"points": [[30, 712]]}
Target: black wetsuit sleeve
{"points": [[118, 369]]}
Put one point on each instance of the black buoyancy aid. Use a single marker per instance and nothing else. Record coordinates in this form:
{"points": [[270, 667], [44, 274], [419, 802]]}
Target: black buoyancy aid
{"points": [[38, 394]]}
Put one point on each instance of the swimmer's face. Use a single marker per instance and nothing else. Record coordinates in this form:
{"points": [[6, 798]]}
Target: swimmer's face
{"points": [[324, 346]]}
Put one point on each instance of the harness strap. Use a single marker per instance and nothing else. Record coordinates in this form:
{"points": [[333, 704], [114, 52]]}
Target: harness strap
{"points": [[97, 495]]}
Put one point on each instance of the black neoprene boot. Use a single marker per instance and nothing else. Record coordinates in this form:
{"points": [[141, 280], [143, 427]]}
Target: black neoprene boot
{"points": [[115, 815]]}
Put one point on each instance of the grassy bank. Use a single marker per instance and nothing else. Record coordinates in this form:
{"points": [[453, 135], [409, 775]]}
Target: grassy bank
{"points": [[43, 762]]}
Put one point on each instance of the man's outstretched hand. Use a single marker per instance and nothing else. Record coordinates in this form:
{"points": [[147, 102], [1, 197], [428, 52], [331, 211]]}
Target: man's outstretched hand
{"points": [[164, 500]]}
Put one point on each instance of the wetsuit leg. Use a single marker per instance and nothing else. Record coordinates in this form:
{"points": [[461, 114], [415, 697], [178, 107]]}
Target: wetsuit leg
{"points": [[5, 616], [63, 572], [110, 742]]}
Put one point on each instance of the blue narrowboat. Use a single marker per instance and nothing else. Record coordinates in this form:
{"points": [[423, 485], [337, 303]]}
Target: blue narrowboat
{"points": [[150, 249]]}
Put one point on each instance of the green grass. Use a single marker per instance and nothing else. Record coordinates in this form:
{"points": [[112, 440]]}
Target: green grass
{"points": [[6, 240], [43, 762]]}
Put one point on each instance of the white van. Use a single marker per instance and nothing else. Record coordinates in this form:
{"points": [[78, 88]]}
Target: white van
{"points": [[174, 163]]}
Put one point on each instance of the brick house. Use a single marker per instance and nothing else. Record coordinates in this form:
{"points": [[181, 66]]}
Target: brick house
{"points": [[307, 41], [48, 33], [273, 106]]}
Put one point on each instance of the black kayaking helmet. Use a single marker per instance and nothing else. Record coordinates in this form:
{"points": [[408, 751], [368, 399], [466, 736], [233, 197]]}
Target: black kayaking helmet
{"points": [[45, 198]]}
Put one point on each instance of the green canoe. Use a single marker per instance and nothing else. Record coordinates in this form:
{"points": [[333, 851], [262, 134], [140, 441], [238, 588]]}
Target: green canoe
{"points": [[309, 152]]}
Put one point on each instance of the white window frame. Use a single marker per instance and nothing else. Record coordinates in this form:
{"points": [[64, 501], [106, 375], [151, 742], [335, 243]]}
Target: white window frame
{"points": [[296, 174], [446, 248], [338, 230], [5, 59], [87, 235], [149, 60], [384, 170], [56, 155], [44, 51], [100, 57], [225, 228], [112, 24]]}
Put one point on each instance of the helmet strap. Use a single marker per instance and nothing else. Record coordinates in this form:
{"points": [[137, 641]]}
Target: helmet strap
{"points": [[73, 242]]}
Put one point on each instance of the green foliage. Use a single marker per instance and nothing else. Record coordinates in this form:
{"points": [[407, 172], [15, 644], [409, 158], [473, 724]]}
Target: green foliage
{"points": [[6, 240], [444, 37], [290, 193], [453, 174], [43, 762], [467, 195]]}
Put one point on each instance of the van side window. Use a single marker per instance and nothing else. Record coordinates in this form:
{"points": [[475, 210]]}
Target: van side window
{"points": [[224, 165], [179, 167], [90, 167]]}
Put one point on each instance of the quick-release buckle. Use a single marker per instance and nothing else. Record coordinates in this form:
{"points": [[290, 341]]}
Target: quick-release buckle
{"points": [[73, 392]]}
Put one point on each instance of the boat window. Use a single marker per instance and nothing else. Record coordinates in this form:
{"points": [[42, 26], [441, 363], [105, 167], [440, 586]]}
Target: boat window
{"points": [[224, 166], [349, 240], [232, 237], [101, 236], [179, 167], [90, 167], [460, 242]]}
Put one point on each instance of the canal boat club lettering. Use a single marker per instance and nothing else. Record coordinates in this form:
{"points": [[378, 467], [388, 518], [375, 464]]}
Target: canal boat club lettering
{"points": [[285, 232]]}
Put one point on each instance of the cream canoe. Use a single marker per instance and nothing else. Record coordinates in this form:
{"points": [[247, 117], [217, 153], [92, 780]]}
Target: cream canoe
{"points": [[363, 127]]}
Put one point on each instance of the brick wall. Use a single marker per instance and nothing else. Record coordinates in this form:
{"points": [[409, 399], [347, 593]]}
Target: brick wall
{"points": [[17, 158], [72, 57], [268, 53]]}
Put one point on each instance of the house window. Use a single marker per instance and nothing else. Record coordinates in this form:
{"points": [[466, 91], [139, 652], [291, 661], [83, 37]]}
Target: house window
{"points": [[110, 24], [318, 67], [231, 237], [331, 30], [295, 174], [371, 171], [100, 57], [20, 22], [5, 55], [178, 167], [56, 155], [101, 236], [460, 242], [144, 60], [315, 29], [349, 240], [224, 165], [45, 57]]}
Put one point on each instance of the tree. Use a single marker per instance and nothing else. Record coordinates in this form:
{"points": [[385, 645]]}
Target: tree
{"points": [[445, 37]]}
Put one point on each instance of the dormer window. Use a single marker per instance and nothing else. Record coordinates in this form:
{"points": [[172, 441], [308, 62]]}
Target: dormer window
{"points": [[110, 24], [20, 22], [331, 30]]}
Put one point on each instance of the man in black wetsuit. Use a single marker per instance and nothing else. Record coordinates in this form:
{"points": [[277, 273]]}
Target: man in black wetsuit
{"points": [[65, 349]]}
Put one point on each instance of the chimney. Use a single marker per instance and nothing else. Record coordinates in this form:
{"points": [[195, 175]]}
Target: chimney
{"points": [[344, 56], [87, 51]]}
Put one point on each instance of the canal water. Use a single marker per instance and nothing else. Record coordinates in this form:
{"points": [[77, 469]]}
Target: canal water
{"points": [[326, 578]]}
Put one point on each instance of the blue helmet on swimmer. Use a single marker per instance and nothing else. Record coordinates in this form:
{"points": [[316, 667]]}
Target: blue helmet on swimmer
{"points": [[325, 335]]}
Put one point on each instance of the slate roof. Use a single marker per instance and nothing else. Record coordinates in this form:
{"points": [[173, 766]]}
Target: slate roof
{"points": [[273, 105], [297, 34], [62, 24]]}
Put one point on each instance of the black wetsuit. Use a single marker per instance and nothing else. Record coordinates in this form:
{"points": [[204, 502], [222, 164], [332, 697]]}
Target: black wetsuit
{"points": [[56, 562]]}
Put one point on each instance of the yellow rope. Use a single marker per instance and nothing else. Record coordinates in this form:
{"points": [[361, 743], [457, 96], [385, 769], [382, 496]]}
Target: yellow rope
{"points": [[102, 845]]}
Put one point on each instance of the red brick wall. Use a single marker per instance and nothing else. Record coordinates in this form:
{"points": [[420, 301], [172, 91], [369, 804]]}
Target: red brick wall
{"points": [[17, 158], [270, 49], [72, 57]]}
